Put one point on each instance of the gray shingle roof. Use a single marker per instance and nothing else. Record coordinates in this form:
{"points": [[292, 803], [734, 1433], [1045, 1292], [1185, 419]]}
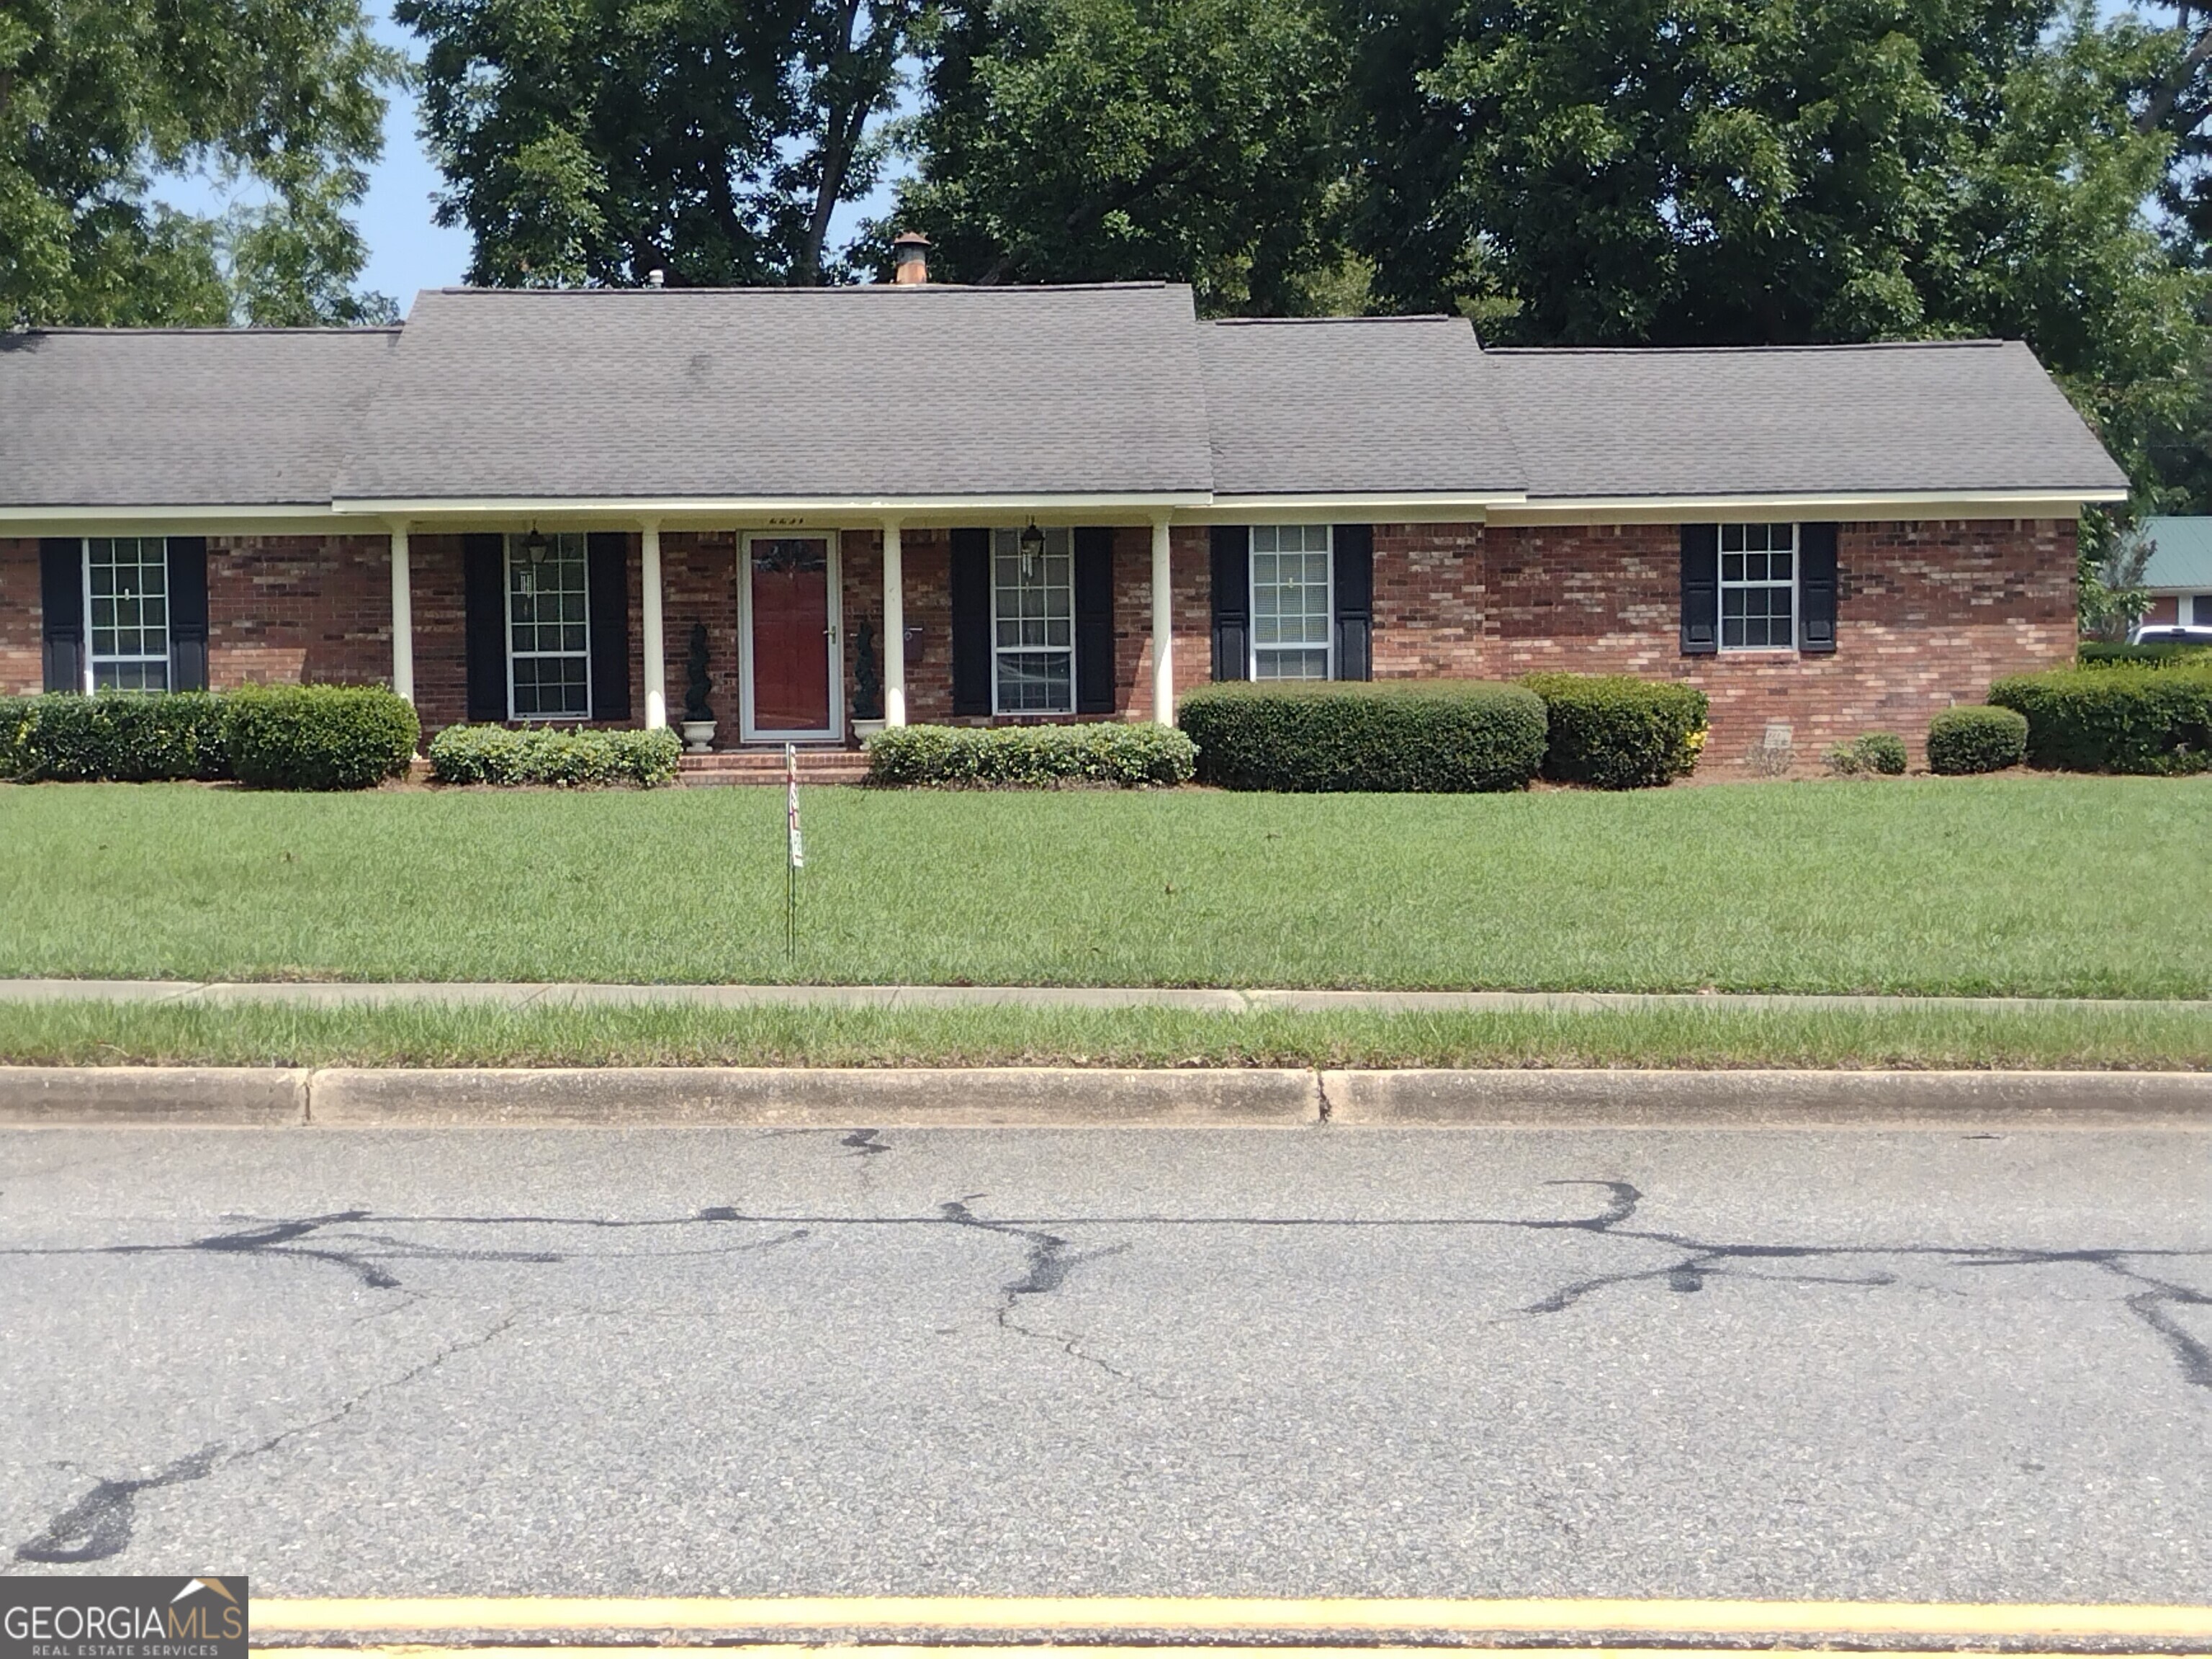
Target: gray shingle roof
{"points": [[1354, 406], [788, 392], [181, 417], [1780, 420]]}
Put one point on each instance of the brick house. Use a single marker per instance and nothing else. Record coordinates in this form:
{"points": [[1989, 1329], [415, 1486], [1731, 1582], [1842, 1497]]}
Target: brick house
{"points": [[1052, 502]]}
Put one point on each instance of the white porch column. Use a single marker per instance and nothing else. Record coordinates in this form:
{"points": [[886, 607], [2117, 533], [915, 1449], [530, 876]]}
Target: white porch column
{"points": [[403, 615], [1162, 628], [656, 655], [894, 626]]}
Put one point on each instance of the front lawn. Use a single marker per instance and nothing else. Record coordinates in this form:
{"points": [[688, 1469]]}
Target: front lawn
{"points": [[2026, 885]]}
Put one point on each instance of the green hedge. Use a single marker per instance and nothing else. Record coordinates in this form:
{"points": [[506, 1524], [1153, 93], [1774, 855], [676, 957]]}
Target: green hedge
{"points": [[127, 737], [493, 754], [2126, 718], [1870, 752], [1616, 732], [1974, 737], [1107, 751], [1399, 736], [2094, 655], [318, 736]]}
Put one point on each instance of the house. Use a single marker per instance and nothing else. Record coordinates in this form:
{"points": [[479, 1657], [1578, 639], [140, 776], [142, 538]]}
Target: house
{"points": [[1051, 503], [2178, 574]]}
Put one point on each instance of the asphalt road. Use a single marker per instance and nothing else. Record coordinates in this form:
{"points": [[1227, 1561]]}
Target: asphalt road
{"points": [[1210, 1362]]}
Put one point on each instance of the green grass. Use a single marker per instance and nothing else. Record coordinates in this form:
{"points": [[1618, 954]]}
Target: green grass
{"points": [[420, 1035], [2023, 886]]}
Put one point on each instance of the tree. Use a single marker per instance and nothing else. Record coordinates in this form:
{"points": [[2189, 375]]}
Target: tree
{"points": [[100, 97], [1102, 140], [592, 141], [1772, 171]]}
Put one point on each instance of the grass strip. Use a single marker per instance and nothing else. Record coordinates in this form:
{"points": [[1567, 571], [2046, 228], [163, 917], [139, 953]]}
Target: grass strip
{"points": [[85, 1034], [2016, 885]]}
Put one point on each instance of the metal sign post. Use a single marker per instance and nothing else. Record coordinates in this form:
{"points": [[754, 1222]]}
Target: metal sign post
{"points": [[796, 859]]}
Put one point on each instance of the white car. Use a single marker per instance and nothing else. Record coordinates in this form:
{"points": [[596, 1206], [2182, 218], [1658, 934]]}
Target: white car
{"points": [[2170, 634]]}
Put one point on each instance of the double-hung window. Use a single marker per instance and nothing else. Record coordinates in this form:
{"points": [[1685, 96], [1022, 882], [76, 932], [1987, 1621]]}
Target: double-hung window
{"points": [[1033, 623], [126, 594], [1290, 602], [1759, 586], [549, 657]]}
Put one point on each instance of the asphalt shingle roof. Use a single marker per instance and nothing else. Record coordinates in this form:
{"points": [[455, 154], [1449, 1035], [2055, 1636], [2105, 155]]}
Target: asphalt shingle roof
{"points": [[788, 392], [1384, 405], [1782, 420], [181, 417]]}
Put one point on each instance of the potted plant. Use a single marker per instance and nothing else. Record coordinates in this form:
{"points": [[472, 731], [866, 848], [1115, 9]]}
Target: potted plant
{"points": [[698, 718]]}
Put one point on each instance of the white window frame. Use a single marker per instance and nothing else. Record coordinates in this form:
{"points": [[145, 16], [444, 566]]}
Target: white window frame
{"points": [[1252, 606], [1721, 586], [92, 661], [506, 624], [998, 650]]}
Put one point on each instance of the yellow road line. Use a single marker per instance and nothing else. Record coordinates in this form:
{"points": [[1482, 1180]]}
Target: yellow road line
{"points": [[1136, 1615]]}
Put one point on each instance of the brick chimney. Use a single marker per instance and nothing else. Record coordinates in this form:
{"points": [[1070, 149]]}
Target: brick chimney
{"points": [[910, 249]]}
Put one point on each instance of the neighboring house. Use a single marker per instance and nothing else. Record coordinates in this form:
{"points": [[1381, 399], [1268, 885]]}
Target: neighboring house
{"points": [[2178, 575], [1063, 502]]}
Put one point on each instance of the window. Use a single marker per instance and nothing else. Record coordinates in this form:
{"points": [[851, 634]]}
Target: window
{"points": [[1290, 602], [1033, 623], [2200, 611], [549, 661], [1759, 586], [126, 594]]}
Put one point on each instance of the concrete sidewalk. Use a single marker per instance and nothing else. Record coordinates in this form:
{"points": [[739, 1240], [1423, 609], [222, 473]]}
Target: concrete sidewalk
{"points": [[455, 993]]}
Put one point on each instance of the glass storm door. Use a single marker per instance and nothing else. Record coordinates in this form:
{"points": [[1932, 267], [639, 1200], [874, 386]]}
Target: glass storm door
{"points": [[793, 636]]}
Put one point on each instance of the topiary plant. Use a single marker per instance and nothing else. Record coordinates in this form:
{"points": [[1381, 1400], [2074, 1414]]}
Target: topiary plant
{"points": [[1972, 737]]}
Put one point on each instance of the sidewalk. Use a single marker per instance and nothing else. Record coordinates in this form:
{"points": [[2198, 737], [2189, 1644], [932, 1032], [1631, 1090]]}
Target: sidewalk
{"points": [[335, 993]]}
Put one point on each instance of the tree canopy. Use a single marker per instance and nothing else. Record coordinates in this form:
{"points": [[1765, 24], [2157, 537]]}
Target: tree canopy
{"points": [[100, 98]]}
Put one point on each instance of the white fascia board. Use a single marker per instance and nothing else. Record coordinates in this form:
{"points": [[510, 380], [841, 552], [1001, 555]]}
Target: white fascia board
{"points": [[1371, 508], [831, 510], [1889, 504], [311, 519]]}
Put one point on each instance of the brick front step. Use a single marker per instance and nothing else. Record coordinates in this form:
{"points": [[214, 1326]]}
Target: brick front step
{"points": [[765, 765]]}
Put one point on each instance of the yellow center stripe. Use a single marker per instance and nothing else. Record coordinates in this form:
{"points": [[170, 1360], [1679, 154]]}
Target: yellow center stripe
{"points": [[1148, 1613]]}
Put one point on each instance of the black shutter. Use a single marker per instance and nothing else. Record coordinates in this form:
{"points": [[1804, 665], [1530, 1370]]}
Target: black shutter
{"points": [[1354, 579], [1816, 588], [484, 604], [606, 581], [61, 608], [1232, 581], [971, 622], [1701, 589], [188, 613], [1094, 619]]}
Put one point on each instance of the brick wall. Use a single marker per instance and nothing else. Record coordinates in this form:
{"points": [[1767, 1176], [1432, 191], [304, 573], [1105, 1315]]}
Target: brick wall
{"points": [[22, 661], [299, 609]]}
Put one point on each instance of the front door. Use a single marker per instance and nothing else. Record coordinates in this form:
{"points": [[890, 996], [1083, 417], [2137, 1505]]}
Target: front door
{"points": [[791, 637]]}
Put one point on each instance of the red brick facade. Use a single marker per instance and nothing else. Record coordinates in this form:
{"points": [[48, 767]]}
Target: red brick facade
{"points": [[1929, 613]]}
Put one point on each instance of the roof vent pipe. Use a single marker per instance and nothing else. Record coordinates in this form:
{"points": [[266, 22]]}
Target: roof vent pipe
{"points": [[656, 277], [911, 251]]}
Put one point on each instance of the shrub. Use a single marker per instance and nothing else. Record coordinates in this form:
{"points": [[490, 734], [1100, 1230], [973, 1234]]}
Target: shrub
{"points": [[1616, 732], [571, 759], [1400, 736], [128, 737], [1108, 751], [2092, 653], [318, 736], [1870, 752], [1974, 737], [2127, 718]]}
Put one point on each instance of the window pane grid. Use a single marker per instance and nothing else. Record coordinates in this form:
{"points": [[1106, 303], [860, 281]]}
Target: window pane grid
{"points": [[1033, 623], [549, 631], [1291, 609], [127, 581], [1759, 586]]}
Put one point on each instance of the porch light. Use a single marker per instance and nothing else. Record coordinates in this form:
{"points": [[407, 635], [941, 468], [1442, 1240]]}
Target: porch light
{"points": [[1032, 546], [534, 545]]}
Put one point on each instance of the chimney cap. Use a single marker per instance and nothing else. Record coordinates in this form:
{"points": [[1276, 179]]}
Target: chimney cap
{"points": [[910, 258], [911, 238], [656, 277]]}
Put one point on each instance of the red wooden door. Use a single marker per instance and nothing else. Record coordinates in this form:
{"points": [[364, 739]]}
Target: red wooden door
{"points": [[790, 577]]}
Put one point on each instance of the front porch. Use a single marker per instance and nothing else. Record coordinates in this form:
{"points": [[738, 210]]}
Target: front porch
{"points": [[582, 624]]}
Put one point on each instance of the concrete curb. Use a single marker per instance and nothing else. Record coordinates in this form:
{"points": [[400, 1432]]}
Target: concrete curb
{"points": [[343, 1097]]}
